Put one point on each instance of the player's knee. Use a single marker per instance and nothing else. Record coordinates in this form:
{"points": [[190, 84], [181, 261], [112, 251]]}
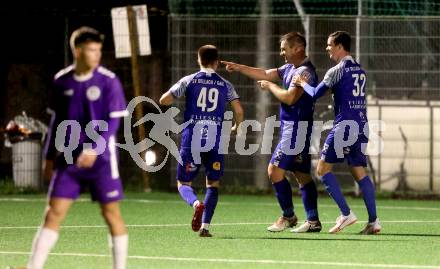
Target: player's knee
{"points": [[111, 215], [270, 172], [213, 183], [323, 169], [275, 174], [181, 183], [303, 179], [54, 215]]}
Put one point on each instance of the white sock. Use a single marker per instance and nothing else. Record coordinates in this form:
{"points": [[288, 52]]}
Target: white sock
{"points": [[196, 203], [43, 243], [119, 247], [205, 226]]}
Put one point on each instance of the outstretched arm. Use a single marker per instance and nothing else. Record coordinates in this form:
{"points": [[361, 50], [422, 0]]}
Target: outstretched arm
{"points": [[252, 72]]}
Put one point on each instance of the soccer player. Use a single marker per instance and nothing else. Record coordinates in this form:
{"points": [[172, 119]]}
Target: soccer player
{"points": [[295, 107], [347, 80], [84, 92], [206, 96]]}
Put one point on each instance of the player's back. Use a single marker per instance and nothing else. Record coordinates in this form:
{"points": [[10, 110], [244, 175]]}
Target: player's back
{"points": [[206, 96], [349, 92]]}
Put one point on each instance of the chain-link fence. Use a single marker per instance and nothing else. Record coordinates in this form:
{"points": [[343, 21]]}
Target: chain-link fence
{"points": [[400, 54]]}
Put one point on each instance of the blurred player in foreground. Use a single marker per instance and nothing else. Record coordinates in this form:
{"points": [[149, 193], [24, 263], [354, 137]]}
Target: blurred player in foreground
{"points": [[83, 92]]}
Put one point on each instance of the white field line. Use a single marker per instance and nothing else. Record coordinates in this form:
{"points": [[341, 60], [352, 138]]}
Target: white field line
{"points": [[146, 201], [241, 261], [433, 222]]}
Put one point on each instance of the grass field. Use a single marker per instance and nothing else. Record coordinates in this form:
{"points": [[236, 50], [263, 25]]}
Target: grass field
{"points": [[161, 237]]}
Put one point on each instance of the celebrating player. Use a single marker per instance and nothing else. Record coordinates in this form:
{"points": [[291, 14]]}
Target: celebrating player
{"points": [[295, 107], [347, 80], [206, 95]]}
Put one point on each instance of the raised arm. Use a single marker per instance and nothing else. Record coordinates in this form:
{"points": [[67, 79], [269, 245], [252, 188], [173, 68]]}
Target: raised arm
{"points": [[253, 72]]}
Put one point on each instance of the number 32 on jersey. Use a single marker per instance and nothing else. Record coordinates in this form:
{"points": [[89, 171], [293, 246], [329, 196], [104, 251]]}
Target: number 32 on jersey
{"points": [[359, 84]]}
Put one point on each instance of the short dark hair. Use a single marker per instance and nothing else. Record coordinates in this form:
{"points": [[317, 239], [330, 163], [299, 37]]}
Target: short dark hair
{"points": [[85, 34], [343, 38], [294, 38], [208, 54]]}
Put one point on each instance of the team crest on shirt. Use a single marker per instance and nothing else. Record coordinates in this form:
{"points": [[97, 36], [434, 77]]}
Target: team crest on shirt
{"points": [[298, 159], [216, 166], [93, 93]]}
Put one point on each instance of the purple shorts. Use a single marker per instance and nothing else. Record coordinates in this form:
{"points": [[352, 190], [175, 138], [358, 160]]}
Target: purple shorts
{"points": [[353, 154], [103, 182], [300, 162], [286, 156], [211, 160]]}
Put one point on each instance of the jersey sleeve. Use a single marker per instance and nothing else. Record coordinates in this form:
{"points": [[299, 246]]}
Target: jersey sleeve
{"points": [[281, 70], [333, 76], [232, 94], [179, 89], [117, 106]]}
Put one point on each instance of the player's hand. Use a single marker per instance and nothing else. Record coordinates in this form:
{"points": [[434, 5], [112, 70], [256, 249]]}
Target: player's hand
{"points": [[47, 169], [86, 159], [236, 129], [231, 67], [265, 85], [298, 81]]}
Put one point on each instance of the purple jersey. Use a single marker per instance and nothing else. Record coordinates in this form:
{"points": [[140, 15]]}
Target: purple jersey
{"points": [[302, 110], [347, 81], [98, 96], [206, 95]]}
